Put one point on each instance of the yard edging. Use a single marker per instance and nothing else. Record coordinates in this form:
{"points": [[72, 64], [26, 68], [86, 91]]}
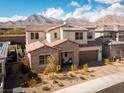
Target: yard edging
{"points": [[96, 85]]}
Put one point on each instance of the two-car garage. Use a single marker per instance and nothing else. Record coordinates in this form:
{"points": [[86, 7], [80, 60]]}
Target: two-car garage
{"points": [[90, 54]]}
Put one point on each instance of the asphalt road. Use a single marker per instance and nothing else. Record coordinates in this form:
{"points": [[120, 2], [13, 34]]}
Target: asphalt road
{"points": [[114, 89]]}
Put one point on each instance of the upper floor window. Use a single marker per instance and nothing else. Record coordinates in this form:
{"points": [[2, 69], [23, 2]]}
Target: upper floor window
{"points": [[78, 35], [89, 35], [55, 35], [34, 35]]}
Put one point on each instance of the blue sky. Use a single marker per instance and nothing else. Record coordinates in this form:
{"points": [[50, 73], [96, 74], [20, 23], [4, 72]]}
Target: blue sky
{"points": [[60, 9]]}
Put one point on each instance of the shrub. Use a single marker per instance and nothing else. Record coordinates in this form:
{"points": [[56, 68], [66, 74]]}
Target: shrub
{"points": [[53, 76], [32, 74], [107, 61], [23, 83], [74, 67], [25, 69], [45, 88], [32, 82], [60, 84], [85, 68], [57, 68], [83, 78], [44, 82]]}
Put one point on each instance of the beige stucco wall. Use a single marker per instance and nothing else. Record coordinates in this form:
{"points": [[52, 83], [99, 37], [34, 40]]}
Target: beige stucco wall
{"points": [[70, 35], [50, 35], [42, 36]]}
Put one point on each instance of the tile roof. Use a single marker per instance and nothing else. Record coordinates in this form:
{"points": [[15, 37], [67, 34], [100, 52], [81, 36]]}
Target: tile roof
{"points": [[39, 44], [33, 46]]}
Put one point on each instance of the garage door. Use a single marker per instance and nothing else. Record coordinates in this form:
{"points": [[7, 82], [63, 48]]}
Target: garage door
{"points": [[88, 56]]}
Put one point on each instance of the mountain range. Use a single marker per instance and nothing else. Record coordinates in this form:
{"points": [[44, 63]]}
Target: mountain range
{"points": [[39, 19]]}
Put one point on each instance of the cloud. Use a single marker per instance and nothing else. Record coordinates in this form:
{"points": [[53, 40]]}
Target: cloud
{"points": [[79, 11], [53, 12], [117, 7], [108, 1], [14, 18], [76, 4]]}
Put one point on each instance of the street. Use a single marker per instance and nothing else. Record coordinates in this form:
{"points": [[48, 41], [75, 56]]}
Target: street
{"points": [[114, 89]]}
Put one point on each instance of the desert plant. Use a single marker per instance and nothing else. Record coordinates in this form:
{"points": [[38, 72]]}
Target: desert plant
{"points": [[57, 68], [24, 68], [44, 82], [32, 82], [45, 88], [60, 84], [107, 61], [74, 67], [85, 68], [53, 76], [83, 78], [32, 74], [23, 83]]}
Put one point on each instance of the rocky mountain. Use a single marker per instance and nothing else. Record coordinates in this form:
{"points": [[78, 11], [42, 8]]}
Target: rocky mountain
{"points": [[32, 20], [75, 21], [110, 19], [39, 19]]}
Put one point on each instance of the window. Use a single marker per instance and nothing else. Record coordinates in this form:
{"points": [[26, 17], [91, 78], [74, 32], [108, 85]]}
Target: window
{"points": [[89, 35], [79, 35], [55, 35], [43, 59], [34, 35]]}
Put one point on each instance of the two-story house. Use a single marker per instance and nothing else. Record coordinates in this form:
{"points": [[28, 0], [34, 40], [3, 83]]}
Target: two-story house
{"points": [[112, 37], [68, 43], [3, 57]]}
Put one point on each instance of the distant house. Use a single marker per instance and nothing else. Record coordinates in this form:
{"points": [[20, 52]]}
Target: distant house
{"points": [[68, 43], [112, 37], [3, 56]]}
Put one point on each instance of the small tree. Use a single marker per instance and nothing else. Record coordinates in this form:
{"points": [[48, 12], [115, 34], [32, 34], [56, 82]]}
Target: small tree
{"points": [[52, 62]]}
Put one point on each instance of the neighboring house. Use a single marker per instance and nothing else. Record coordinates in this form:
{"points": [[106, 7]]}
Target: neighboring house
{"points": [[68, 43], [112, 37], [3, 56]]}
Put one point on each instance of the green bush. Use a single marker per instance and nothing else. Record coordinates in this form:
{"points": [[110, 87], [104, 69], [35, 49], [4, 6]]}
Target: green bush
{"points": [[32, 74], [45, 88], [25, 69], [74, 67]]}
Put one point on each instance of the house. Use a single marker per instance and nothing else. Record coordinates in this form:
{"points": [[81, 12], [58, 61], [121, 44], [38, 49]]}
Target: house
{"points": [[3, 56], [75, 44], [112, 37]]}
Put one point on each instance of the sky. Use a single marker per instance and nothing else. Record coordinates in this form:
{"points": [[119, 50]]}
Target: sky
{"points": [[91, 10]]}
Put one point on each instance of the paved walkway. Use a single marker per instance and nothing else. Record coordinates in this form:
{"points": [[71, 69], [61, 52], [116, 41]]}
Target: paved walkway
{"points": [[96, 85]]}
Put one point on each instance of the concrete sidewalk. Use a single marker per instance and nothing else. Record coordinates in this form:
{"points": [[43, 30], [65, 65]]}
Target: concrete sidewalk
{"points": [[95, 85]]}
